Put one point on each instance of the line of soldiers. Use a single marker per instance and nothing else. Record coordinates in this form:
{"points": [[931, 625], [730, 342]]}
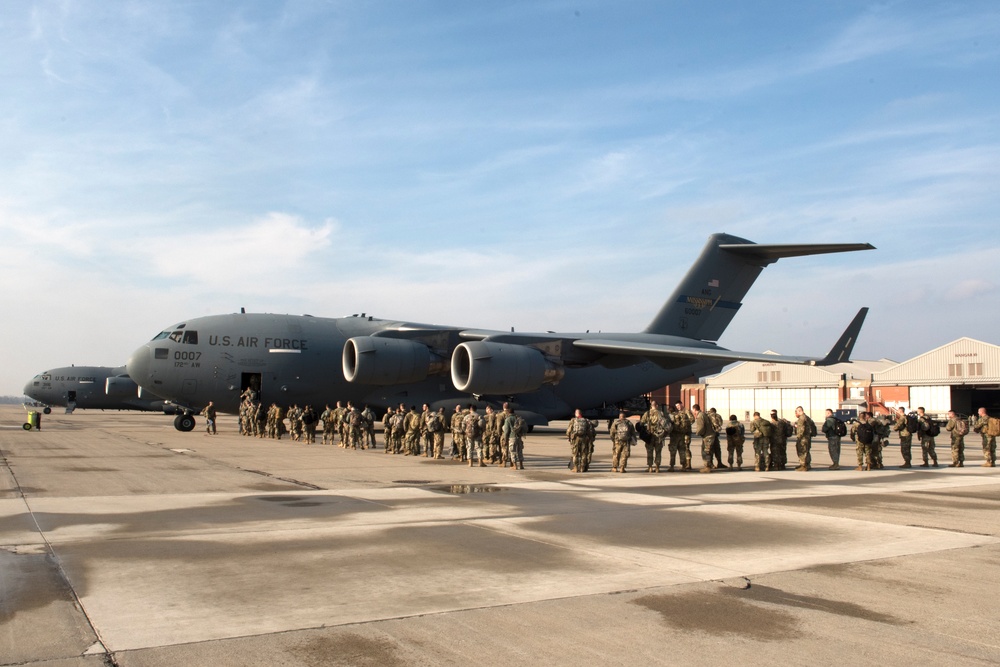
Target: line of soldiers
{"points": [[495, 437]]}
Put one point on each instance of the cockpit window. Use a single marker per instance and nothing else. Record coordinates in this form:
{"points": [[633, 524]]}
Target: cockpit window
{"points": [[191, 337], [176, 336], [161, 335]]}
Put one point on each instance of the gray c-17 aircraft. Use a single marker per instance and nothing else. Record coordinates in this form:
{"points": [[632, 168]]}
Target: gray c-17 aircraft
{"points": [[313, 360], [90, 388]]}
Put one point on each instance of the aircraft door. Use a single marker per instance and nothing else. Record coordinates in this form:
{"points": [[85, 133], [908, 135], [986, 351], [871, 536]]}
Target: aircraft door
{"points": [[70, 401], [251, 381]]}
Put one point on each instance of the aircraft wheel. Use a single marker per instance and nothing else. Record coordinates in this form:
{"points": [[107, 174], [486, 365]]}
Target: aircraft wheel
{"points": [[184, 423], [26, 426], [47, 411]]}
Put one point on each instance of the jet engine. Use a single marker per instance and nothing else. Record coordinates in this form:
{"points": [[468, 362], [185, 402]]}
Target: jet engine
{"points": [[484, 367], [121, 386], [383, 361]]}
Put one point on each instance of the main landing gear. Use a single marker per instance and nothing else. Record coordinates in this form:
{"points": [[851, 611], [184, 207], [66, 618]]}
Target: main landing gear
{"points": [[184, 422]]}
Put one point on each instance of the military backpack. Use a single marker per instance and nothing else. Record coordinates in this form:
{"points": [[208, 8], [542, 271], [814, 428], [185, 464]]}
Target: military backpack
{"points": [[992, 427], [841, 428], [961, 427]]}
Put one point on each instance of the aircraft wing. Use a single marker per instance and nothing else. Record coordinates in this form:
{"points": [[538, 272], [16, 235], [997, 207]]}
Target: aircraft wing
{"points": [[840, 352]]}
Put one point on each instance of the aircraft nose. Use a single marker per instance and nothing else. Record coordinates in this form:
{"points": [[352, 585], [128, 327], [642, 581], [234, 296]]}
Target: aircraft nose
{"points": [[137, 367], [28, 388]]}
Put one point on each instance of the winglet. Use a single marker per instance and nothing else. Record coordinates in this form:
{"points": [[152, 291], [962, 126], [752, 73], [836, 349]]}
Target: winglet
{"points": [[842, 349]]}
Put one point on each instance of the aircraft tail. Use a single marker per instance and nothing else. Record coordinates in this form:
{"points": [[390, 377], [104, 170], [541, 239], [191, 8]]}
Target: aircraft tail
{"points": [[712, 292]]}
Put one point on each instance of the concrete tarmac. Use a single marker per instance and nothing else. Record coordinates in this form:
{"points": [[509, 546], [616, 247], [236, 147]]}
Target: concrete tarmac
{"points": [[124, 542]]}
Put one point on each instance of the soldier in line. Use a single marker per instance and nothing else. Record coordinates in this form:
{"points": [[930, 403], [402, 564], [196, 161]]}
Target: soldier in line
{"points": [[411, 444], [735, 437], [716, 420], [472, 425], [387, 429], [982, 426], [369, 426], [309, 424], [863, 433], [958, 427], [491, 434], [905, 436], [437, 428], [397, 430], [514, 428], [656, 425], [505, 453], [588, 451], [781, 430], [831, 429], [458, 450], [578, 434], [805, 429], [882, 433], [680, 436], [761, 430], [426, 438], [260, 417], [622, 438], [702, 426], [926, 428]]}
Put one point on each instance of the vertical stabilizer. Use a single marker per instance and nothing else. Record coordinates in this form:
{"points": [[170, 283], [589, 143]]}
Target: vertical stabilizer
{"points": [[712, 292]]}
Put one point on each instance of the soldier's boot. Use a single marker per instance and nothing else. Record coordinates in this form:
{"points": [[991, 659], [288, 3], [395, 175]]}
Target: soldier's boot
{"points": [[671, 468], [657, 466], [706, 469], [935, 462], [649, 468], [623, 468], [906, 464], [739, 461], [730, 461]]}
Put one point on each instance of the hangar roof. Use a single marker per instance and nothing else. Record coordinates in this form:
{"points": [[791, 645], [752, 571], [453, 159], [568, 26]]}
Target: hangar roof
{"points": [[962, 361]]}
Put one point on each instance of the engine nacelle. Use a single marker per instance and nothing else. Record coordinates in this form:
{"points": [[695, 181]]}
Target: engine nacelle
{"points": [[383, 361], [483, 367], [121, 386]]}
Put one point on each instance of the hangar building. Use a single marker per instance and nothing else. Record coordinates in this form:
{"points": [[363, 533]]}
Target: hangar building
{"points": [[963, 376], [760, 386]]}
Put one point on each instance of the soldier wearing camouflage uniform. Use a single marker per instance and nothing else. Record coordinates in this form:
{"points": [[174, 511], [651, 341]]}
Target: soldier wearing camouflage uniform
{"points": [[309, 424], [702, 426], [491, 434], [680, 437], [622, 438], [514, 428], [387, 429], [436, 427], [578, 434], [957, 427], [411, 443], [505, 454], [761, 430], [656, 425], [805, 429], [905, 437], [716, 420], [863, 433], [981, 426], [426, 439], [458, 450], [369, 426], [735, 437], [398, 423], [927, 443], [780, 430], [472, 425]]}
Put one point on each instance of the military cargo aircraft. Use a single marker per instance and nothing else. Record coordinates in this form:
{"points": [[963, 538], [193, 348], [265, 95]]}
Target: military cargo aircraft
{"points": [[367, 360], [91, 388]]}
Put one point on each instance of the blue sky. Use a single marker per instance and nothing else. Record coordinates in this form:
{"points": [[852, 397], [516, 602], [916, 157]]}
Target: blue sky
{"points": [[542, 165]]}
